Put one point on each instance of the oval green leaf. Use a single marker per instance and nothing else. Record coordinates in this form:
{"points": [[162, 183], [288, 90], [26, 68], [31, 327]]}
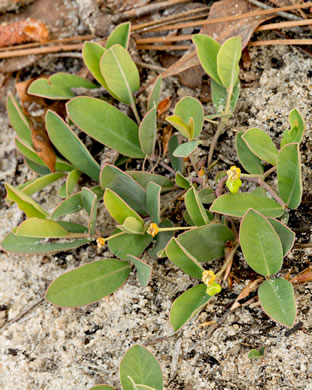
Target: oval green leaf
{"points": [[187, 305], [143, 178], [120, 35], [129, 244], [186, 149], [180, 125], [236, 205], [37, 227], [148, 132], [228, 62], [70, 205], [142, 366], [247, 158], [289, 175], [277, 299], [297, 128], [106, 124], [261, 145], [195, 208], [88, 283], [260, 244], [187, 108], [286, 235], [182, 181], [144, 271]]}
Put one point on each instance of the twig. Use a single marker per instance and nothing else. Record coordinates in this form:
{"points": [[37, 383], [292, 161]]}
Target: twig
{"points": [[150, 66], [304, 246], [163, 47], [275, 42], [272, 26], [283, 14], [222, 124]]}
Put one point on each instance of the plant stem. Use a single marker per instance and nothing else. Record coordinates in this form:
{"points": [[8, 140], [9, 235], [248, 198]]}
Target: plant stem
{"points": [[135, 111], [269, 171], [172, 229], [228, 260]]}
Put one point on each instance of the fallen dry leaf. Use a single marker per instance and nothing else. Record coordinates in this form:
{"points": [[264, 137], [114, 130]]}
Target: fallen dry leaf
{"points": [[246, 291], [43, 146], [166, 135], [22, 31], [163, 106], [304, 276]]}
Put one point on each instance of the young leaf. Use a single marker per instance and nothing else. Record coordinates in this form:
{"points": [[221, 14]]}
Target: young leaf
{"points": [[236, 205], [176, 162], [143, 178], [40, 182], [70, 146], [18, 120], [188, 108], [179, 256], [148, 132], [228, 62], [247, 158], [179, 124], [153, 201], [186, 149], [118, 208], [91, 54], [129, 244], [153, 99], [206, 195], [106, 124], [261, 145], [286, 235], [41, 170], [58, 86], [256, 354], [289, 175], [219, 96], [144, 271], [132, 226], [195, 208], [207, 51], [120, 35], [90, 202], [260, 244], [296, 131], [162, 239], [71, 181], [182, 182], [25, 202], [88, 284], [70, 205], [277, 299], [203, 249], [187, 305], [120, 73], [142, 366], [102, 387], [27, 245], [38, 227], [125, 186]]}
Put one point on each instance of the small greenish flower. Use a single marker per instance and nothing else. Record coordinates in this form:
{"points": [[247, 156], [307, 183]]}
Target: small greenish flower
{"points": [[233, 182], [213, 289], [153, 229]]}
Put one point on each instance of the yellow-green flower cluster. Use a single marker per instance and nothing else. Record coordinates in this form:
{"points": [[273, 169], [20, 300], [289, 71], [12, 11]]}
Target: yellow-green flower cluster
{"points": [[233, 182], [153, 229], [213, 288]]}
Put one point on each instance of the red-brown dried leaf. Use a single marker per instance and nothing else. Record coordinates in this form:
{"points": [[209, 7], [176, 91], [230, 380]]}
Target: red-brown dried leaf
{"points": [[246, 291], [304, 276], [23, 31], [167, 133], [163, 106], [43, 146]]}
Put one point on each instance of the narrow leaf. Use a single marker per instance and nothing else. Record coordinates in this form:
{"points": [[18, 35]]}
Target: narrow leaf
{"points": [[41, 182], [90, 202], [286, 235], [186, 149], [297, 128], [148, 132], [247, 158], [88, 284], [228, 61], [143, 178], [18, 120], [195, 208], [261, 145], [144, 271], [71, 181], [187, 305], [37, 227], [120, 35], [153, 99], [153, 201], [182, 181], [277, 299], [176, 162], [70, 205]]}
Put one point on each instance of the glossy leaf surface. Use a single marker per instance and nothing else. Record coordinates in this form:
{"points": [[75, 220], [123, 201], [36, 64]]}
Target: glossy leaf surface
{"points": [[88, 283], [260, 244], [277, 299]]}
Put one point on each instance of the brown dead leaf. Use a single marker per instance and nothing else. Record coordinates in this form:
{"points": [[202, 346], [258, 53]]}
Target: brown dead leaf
{"points": [[42, 145], [304, 276], [246, 291], [167, 133], [22, 31], [163, 106], [221, 31]]}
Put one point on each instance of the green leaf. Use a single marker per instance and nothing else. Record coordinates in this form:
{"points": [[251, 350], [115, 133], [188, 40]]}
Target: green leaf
{"points": [[203, 249], [207, 51], [73, 227], [90, 202], [236, 205], [118, 208], [289, 175], [182, 181], [162, 239], [131, 225], [120, 35], [71, 181], [277, 299], [153, 201], [102, 387], [120, 73], [91, 54], [148, 132], [70, 205], [18, 244], [219, 96], [143, 178], [106, 124], [30, 154], [37, 227], [256, 354], [18, 120], [186, 149], [195, 208], [144, 271], [88, 284], [25, 202], [125, 186], [260, 244], [179, 256], [296, 131], [129, 244], [180, 125], [187, 108], [187, 305], [58, 86], [261, 145], [228, 61], [247, 158], [142, 366], [41, 170], [153, 98], [70, 146], [286, 235], [206, 195], [176, 162], [40, 182]]}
